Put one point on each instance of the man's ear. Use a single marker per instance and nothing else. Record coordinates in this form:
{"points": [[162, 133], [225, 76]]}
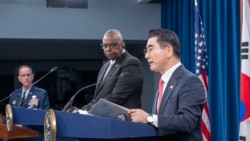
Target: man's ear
{"points": [[169, 50], [18, 78], [123, 44]]}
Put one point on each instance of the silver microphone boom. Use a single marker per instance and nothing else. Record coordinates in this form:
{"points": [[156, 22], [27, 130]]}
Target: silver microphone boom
{"points": [[70, 102]]}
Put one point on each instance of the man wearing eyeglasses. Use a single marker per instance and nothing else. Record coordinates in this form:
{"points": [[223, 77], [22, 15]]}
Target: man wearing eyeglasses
{"points": [[28, 96], [122, 74], [178, 103]]}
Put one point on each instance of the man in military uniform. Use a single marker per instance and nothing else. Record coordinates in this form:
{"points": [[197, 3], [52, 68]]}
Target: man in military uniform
{"points": [[28, 96]]}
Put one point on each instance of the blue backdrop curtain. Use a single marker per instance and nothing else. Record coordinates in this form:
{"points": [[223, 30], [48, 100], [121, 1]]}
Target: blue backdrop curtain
{"points": [[221, 19]]}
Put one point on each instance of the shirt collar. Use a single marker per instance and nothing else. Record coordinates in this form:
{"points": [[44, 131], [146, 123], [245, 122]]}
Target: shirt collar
{"points": [[26, 91], [166, 76], [113, 61]]}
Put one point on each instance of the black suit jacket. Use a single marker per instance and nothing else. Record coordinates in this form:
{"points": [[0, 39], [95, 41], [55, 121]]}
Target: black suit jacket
{"points": [[124, 90], [179, 118]]}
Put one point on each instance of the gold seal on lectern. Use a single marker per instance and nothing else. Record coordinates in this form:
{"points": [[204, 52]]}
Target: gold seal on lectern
{"points": [[9, 117], [50, 126]]}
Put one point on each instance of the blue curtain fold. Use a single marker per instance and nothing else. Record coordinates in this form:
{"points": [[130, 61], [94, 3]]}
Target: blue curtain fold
{"points": [[221, 19]]}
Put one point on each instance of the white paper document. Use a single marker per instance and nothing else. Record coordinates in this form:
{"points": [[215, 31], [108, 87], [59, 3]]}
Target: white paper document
{"points": [[109, 109]]}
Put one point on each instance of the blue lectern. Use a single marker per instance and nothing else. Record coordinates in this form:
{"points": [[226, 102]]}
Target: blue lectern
{"points": [[84, 127], [28, 117], [79, 126], [33, 119]]}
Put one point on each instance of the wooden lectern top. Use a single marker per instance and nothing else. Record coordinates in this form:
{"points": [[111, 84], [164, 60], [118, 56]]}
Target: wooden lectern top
{"points": [[17, 132]]}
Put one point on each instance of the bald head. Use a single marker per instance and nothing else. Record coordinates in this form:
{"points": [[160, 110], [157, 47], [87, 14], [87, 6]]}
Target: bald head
{"points": [[112, 44], [115, 33]]}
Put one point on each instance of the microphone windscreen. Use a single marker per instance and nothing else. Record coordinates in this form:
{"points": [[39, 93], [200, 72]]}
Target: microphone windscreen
{"points": [[54, 68]]}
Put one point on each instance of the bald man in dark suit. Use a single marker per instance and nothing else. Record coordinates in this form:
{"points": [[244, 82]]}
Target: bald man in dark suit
{"points": [[121, 76]]}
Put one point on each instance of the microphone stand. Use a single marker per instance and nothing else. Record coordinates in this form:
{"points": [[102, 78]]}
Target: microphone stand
{"points": [[5, 98], [70, 102], [73, 97], [53, 69]]}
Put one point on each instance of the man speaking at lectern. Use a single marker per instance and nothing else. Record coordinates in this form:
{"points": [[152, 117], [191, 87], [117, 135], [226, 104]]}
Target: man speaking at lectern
{"points": [[28, 96], [178, 103], [121, 76]]}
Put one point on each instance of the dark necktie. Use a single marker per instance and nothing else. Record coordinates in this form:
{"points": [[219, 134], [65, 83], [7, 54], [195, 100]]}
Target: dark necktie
{"points": [[22, 99], [160, 95]]}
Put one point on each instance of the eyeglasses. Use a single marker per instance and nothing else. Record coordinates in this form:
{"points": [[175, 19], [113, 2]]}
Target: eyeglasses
{"points": [[149, 49], [111, 45]]}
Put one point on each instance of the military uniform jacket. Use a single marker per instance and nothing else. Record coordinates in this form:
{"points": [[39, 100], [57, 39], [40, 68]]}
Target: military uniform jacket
{"points": [[39, 93]]}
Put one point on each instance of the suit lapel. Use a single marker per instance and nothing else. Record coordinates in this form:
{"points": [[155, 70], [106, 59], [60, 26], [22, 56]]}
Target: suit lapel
{"points": [[102, 72], [29, 95], [113, 68], [167, 93], [19, 96], [112, 71], [101, 75], [172, 84]]}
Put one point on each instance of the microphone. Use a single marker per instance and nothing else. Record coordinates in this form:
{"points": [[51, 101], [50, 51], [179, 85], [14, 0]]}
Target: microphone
{"points": [[70, 102], [51, 70]]}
